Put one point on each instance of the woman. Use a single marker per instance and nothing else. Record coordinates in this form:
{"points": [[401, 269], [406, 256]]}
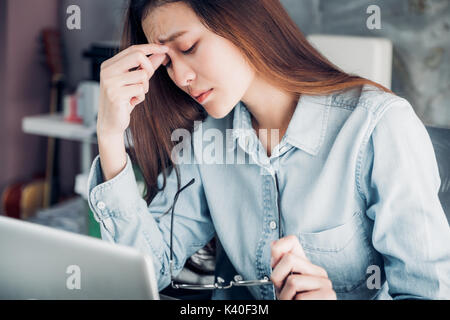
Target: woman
{"points": [[340, 202]]}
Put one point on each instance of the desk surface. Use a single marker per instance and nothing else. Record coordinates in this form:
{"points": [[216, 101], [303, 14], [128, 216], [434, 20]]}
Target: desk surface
{"points": [[164, 297]]}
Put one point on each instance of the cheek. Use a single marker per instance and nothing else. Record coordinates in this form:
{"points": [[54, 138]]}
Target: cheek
{"points": [[231, 78], [224, 66]]}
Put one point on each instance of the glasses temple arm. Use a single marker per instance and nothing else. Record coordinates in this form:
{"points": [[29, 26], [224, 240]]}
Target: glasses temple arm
{"points": [[171, 219]]}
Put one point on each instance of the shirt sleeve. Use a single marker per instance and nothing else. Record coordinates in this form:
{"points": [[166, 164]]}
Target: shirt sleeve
{"points": [[400, 183], [125, 218]]}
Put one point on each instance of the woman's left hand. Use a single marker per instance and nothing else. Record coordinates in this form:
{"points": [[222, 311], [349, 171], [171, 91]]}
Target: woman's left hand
{"points": [[308, 281]]}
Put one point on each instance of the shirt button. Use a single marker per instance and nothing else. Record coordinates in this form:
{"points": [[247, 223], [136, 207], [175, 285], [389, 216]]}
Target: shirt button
{"points": [[101, 205], [273, 225]]}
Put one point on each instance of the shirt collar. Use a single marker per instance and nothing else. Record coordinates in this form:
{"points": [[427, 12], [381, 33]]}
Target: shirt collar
{"points": [[307, 127]]}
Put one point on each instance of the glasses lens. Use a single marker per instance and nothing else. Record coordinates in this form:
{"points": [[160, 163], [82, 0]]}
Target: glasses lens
{"points": [[193, 286], [249, 283]]}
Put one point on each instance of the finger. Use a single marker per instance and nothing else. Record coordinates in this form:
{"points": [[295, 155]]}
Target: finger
{"points": [[156, 61], [132, 91], [135, 77], [321, 294], [285, 245], [136, 101], [297, 283], [146, 49], [291, 263], [133, 61]]}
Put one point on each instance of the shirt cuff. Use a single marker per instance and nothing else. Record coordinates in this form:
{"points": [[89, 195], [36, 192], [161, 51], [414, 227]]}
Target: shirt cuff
{"points": [[116, 197]]}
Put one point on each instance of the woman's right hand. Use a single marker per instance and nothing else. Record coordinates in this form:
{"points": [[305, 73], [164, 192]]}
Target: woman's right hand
{"points": [[121, 89]]}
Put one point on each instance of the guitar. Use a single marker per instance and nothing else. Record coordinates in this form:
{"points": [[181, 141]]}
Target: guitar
{"points": [[54, 58]]}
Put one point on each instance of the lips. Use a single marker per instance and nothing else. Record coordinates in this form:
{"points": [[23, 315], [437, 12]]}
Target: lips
{"points": [[197, 94], [202, 96]]}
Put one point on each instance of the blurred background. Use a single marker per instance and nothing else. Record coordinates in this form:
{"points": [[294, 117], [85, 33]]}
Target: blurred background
{"points": [[49, 64]]}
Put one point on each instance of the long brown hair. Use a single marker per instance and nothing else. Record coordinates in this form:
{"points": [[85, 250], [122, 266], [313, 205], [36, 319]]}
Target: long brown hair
{"points": [[270, 41]]}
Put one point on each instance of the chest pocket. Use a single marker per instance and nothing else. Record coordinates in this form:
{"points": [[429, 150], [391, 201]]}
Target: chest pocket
{"points": [[345, 252]]}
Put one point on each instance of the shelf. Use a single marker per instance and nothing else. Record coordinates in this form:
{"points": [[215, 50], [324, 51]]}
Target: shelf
{"points": [[53, 125]]}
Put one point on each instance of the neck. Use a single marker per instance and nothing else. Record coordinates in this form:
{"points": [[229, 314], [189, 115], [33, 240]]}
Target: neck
{"points": [[271, 108]]}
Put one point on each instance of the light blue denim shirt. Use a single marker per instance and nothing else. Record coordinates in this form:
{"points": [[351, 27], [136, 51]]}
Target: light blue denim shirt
{"points": [[358, 180]]}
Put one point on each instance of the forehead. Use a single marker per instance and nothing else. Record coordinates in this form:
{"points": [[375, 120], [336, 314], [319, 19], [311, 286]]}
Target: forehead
{"points": [[165, 20]]}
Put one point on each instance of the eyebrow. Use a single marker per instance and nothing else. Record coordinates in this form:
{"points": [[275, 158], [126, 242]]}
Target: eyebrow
{"points": [[172, 37]]}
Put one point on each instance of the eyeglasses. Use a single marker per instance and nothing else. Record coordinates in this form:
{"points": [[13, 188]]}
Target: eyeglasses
{"points": [[220, 284]]}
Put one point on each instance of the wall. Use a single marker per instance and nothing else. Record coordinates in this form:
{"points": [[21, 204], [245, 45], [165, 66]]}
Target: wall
{"points": [[25, 83], [3, 15], [420, 32], [108, 28]]}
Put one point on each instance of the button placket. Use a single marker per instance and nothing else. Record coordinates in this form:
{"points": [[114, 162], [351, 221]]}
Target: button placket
{"points": [[264, 240], [270, 293]]}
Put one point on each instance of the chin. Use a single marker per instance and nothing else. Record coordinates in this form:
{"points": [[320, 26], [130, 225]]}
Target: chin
{"points": [[218, 112]]}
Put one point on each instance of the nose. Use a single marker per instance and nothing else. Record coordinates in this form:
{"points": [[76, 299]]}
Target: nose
{"points": [[183, 74]]}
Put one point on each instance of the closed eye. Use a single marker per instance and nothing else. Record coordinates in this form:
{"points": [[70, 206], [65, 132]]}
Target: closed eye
{"points": [[189, 51]]}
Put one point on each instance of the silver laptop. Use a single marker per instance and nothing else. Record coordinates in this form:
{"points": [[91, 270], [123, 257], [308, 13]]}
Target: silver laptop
{"points": [[39, 262]]}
